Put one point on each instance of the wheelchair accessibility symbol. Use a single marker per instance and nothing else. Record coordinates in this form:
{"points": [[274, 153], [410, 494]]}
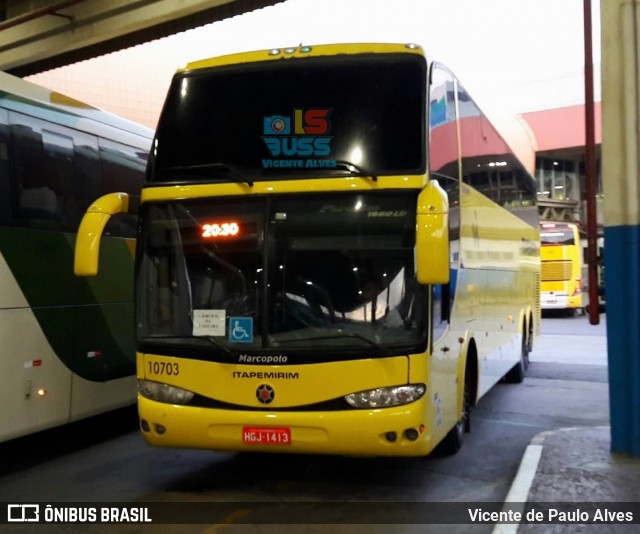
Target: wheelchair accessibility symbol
{"points": [[241, 329]]}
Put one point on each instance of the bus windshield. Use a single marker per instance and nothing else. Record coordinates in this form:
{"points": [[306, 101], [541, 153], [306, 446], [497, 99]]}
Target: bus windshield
{"points": [[281, 275], [321, 116], [557, 236]]}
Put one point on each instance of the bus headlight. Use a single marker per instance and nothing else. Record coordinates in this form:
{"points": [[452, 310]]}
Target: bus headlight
{"points": [[385, 397], [163, 392]]}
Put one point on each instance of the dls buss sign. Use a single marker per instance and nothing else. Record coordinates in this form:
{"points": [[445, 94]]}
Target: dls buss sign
{"points": [[299, 140]]}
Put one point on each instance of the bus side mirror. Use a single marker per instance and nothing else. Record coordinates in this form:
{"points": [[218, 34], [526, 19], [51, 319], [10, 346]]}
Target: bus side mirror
{"points": [[432, 235], [87, 251]]}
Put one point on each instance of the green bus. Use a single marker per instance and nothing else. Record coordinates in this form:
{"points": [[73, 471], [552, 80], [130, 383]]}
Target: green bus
{"points": [[66, 343]]}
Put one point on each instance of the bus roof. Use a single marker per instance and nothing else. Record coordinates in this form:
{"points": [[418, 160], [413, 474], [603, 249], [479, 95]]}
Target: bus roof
{"points": [[558, 225], [303, 51], [21, 95]]}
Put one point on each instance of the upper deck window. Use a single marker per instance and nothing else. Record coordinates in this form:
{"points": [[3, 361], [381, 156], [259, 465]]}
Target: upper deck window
{"points": [[326, 116], [557, 235]]}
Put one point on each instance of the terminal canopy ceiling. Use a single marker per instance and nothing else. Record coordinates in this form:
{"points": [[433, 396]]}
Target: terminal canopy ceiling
{"points": [[38, 35]]}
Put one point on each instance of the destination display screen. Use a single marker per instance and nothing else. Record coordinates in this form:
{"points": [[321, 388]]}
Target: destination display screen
{"points": [[220, 230]]}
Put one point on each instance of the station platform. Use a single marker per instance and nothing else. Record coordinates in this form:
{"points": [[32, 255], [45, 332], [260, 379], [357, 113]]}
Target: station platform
{"points": [[577, 465], [573, 470]]}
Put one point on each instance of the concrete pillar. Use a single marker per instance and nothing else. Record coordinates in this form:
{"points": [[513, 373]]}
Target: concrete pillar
{"points": [[621, 177]]}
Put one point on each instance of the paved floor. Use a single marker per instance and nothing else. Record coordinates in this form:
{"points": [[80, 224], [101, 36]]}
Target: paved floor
{"points": [[573, 470]]}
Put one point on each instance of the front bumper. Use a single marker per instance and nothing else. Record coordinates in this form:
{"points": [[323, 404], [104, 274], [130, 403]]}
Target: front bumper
{"points": [[397, 431]]}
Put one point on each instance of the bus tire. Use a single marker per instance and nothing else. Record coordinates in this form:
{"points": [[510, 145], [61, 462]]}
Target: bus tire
{"points": [[452, 442], [517, 372]]}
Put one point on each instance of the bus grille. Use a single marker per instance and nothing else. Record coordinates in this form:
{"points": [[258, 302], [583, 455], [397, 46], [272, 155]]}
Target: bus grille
{"points": [[553, 271]]}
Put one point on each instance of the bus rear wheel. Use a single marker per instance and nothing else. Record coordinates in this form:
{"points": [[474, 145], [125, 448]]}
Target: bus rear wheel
{"points": [[517, 372]]}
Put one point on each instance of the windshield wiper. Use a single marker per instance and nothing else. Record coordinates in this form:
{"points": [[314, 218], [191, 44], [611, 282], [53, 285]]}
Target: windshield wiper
{"points": [[354, 169], [210, 339], [216, 344], [344, 335], [234, 173]]}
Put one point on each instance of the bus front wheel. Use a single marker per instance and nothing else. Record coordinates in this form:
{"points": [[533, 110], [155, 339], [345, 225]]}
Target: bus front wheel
{"points": [[452, 442]]}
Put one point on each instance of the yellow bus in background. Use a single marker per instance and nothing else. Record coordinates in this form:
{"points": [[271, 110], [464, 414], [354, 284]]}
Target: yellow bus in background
{"points": [[337, 254], [561, 267]]}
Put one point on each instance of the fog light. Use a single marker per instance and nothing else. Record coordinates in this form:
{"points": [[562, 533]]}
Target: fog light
{"points": [[144, 425], [411, 434], [160, 429], [391, 437]]}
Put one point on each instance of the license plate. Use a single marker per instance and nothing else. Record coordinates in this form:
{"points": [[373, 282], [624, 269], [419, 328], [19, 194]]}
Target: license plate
{"points": [[255, 435]]}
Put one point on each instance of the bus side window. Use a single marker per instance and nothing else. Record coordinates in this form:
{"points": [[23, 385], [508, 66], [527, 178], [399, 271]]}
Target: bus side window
{"points": [[6, 193], [488, 164], [53, 165], [122, 170], [444, 167]]}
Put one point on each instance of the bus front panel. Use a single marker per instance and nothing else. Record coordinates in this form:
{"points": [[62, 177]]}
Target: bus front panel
{"points": [[309, 300]]}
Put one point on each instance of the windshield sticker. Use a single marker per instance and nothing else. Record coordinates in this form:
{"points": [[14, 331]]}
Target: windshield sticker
{"points": [[209, 322], [241, 329], [298, 140]]}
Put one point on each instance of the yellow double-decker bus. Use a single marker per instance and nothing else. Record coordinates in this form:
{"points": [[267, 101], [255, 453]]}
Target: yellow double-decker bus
{"points": [[337, 254], [561, 267]]}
